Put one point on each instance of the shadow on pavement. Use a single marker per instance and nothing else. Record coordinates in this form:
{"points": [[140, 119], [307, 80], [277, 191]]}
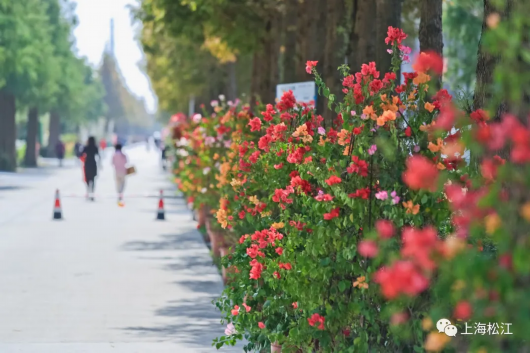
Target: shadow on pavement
{"points": [[195, 323], [184, 241], [190, 262], [198, 265], [212, 288], [10, 188]]}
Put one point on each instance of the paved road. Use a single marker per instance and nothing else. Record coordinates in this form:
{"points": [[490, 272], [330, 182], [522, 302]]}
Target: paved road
{"points": [[105, 279]]}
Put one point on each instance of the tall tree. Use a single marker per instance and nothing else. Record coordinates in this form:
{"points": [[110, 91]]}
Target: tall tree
{"points": [[45, 91], [30, 156], [54, 132], [246, 28], [503, 78], [487, 61], [308, 18], [351, 51], [330, 50], [364, 34], [290, 24], [8, 152], [388, 13], [126, 110], [316, 31], [430, 33], [24, 27]]}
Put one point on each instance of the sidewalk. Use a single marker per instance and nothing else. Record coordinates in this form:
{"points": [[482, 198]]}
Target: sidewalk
{"points": [[106, 279]]}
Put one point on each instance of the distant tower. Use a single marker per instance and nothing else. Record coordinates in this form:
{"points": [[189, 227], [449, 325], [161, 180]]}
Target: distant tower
{"points": [[112, 36]]}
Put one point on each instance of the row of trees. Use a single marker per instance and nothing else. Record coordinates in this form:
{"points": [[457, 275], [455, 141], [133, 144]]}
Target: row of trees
{"points": [[40, 73], [127, 111], [242, 48]]}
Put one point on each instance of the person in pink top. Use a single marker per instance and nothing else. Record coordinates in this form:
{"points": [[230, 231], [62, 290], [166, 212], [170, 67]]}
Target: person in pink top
{"points": [[119, 161]]}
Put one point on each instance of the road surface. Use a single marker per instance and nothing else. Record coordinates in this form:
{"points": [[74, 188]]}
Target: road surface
{"points": [[104, 279]]}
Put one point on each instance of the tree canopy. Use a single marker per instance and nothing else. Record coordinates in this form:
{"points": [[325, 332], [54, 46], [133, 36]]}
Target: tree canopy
{"points": [[40, 72]]}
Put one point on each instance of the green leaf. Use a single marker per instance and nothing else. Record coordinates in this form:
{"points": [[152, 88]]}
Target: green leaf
{"points": [[343, 285]]}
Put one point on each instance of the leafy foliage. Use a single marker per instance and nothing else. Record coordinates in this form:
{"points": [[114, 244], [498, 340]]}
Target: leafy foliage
{"points": [[37, 62]]}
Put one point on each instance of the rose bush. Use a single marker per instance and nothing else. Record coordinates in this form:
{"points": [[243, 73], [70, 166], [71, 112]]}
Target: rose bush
{"points": [[357, 234]]}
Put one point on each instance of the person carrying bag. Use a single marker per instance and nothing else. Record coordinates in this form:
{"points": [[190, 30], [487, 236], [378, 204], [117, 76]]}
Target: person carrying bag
{"points": [[119, 161]]}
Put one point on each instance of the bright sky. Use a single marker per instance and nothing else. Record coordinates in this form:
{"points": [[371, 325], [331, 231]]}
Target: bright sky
{"points": [[93, 33]]}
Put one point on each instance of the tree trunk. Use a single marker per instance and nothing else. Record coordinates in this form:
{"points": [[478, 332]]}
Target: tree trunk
{"points": [[275, 43], [290, 52], [317, 41], [330, 49], [232, 81], [304, 37], [364, 34], [55, 132], [264, 84], [30, 157], [430, 33], [266, 63], [486, 65], [353, 40], [341, 44], [255, 78], [388, 13], [330, 53], [8, 133]]}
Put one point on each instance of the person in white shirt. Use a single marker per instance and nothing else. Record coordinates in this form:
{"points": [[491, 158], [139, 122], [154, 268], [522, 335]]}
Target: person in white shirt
{"points": [[119, 161]]}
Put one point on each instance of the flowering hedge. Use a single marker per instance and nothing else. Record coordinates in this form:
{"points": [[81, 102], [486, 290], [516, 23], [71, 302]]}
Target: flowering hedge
{"points": [[205, 150], [357, 234]]}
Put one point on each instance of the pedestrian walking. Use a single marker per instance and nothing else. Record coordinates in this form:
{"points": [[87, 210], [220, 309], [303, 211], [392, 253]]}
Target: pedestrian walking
{"points": [[164, 157], [78, 151], [59, 152], [119, 161], [90, 165]]}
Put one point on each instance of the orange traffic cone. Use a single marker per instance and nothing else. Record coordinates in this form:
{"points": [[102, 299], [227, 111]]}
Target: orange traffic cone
{"points": [[161, 215], [57, 212]]}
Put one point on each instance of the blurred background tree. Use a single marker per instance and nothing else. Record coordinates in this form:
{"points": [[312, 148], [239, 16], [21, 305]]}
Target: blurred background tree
{"points": [[24, 36], [126, 112], [41, 75], [203, 48], [42, 80], [198, 49]]}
